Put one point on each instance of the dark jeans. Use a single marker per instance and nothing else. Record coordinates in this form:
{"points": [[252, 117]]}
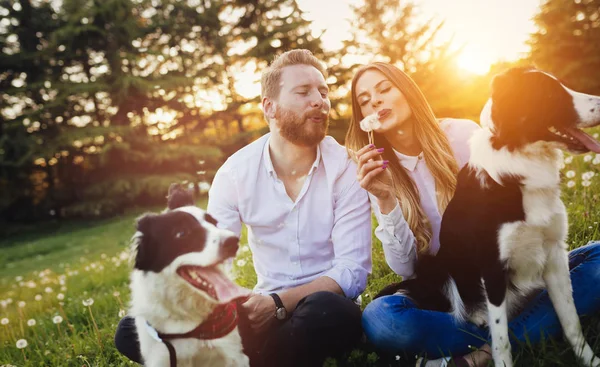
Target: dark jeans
{"points": [[324, 324]]}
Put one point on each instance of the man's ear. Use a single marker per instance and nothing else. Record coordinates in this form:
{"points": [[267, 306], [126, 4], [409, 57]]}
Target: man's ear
{"points": [[269, 107]]}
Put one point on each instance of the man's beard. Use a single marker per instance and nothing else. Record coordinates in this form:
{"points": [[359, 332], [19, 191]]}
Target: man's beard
{"points": [[298, 129]]}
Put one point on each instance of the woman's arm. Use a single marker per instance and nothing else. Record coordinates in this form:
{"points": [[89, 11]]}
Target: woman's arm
{"points": [[398, 241]]}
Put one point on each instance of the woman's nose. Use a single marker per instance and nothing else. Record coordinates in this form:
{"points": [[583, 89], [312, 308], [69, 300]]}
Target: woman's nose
{"points": [[375, 101]]}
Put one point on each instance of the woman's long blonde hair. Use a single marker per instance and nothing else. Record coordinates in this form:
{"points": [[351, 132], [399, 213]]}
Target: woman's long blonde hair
{"points": [[436, 151]]}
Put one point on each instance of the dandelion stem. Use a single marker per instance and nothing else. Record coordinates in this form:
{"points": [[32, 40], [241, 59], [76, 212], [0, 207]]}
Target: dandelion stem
{"points": [[96, 328], [24, 357]]}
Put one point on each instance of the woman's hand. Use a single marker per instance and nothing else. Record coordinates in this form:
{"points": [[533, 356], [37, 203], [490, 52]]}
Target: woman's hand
{"points": [[372, 172]]}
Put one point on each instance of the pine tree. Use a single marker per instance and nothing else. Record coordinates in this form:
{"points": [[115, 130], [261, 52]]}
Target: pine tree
{"points": [[566, 42]]}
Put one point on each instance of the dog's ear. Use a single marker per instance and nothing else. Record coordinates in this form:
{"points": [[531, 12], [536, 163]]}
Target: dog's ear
{"points": [[144, 223], [179, 196]]}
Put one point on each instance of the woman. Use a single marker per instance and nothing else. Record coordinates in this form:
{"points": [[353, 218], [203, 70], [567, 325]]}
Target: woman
{"points": [[410, 173]]}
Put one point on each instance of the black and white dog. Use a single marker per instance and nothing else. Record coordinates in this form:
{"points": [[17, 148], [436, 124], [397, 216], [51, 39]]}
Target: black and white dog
{"points": [[503, 233], [182, 300]]}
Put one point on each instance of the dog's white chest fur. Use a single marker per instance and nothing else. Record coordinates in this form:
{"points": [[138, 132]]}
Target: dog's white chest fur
{"points": [[525, 245]]}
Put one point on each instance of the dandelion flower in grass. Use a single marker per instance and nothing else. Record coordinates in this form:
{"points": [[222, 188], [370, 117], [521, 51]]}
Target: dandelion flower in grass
{"points": [[88, 302], [587, 175], [21, 304], [60, 296], [570, 174], [3, 304], [569, 159], [241, 262], [586, 183], [19, 278], [116, 293], [121, 313], [595, 136], [21, 343], [38, 297], [48, 290], [57, 319], [587, 158], [4, 321], [31, 322], [571, 183], [596, 161]]}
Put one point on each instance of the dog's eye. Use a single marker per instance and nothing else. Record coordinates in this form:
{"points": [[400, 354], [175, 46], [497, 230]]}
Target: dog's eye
{"points": [[210, 219], [180, 234]]}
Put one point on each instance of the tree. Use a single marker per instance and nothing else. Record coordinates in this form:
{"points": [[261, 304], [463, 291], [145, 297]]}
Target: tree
{"points": [[111, 100], [566, 42]]}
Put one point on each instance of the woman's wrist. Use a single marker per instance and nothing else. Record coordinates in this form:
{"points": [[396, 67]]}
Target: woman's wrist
{"points": [[386, 204]]}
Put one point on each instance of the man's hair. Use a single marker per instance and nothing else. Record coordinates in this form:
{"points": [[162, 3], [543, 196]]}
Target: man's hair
{"points": [[271, 77]]}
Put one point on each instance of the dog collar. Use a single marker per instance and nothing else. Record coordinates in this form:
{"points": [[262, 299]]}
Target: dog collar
{"points": [[221, 322]]}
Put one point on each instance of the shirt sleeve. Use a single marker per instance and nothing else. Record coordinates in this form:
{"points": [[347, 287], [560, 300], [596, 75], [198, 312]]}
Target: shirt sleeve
{"points": [[223, 200], [397, 239], [351, 235]]}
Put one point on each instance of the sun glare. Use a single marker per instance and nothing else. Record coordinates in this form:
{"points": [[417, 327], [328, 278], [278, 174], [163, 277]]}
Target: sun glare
{"points": [[474, 61]]}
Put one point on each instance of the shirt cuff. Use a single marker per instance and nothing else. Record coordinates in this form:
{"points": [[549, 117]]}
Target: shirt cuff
{"points": [[392, 218], [346, 279]]}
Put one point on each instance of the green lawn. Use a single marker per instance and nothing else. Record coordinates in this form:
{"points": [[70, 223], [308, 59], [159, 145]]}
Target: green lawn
{"points": [[49, 273]]}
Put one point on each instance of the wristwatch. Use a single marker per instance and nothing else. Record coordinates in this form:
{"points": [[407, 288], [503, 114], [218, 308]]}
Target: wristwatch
{"points": [[280, 311]]}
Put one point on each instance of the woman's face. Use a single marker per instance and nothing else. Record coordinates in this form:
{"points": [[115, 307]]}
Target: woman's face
{"points": [[375, 93]]}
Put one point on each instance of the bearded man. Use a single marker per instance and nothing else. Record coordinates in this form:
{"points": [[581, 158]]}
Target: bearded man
{"points": [[308, 221]]}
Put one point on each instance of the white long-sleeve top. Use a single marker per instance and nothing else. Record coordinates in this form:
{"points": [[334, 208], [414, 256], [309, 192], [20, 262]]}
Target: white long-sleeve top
{"points": [[399, 246], [326, 231]]}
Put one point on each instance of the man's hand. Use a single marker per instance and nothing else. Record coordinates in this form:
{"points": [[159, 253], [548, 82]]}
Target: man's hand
{"points": [[260, 310]]}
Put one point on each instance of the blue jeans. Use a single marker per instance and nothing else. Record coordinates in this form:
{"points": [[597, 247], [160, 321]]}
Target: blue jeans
{"points": [[394, 324]]}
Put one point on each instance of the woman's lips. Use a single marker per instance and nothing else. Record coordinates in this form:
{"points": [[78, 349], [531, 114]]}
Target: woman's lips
{"points": [[383, 114]]}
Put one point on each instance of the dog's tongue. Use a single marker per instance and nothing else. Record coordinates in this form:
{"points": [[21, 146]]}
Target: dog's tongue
{"points": [[225, 289], [585, 139]]}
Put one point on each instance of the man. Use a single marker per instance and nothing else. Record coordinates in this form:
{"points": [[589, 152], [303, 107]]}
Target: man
{"points": [[308, 220]]}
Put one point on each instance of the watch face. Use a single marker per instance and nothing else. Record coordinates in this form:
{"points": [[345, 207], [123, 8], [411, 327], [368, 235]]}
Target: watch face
{"points": [[280, 313]]}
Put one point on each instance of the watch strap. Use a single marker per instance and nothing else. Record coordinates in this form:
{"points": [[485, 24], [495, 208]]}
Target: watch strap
{"points": [[277, 299]]}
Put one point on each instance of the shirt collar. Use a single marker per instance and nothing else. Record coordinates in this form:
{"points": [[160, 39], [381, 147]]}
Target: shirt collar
{"points": [[269, 163], [409, 161]]}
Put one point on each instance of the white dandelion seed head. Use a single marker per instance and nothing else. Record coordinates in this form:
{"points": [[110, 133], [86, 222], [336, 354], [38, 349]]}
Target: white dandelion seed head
{"points": [[57, 319], [60, 296], [38, 297], [587, 158], [48, 290], [596, 161], [46, 352], [21, 304], [88, 302], [116, 293], [595, 136], [241, 262], [586, 183], [103, 256], [569, 159], [3, 304], [63, 288], [245, 248], [571, 183], [570, 174], [4, 321], [370, 123], [9, 300], [121, 313], [587, 175], [31, 322], [21, 343], [397, 358], [19, 278]]}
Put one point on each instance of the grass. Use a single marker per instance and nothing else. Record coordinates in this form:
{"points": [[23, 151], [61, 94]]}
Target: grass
{"points": [[72, 282]]}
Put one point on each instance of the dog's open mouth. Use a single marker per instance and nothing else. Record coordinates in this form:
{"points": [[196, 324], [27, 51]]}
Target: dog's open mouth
{"points": [[575, 139], [212, 281]]}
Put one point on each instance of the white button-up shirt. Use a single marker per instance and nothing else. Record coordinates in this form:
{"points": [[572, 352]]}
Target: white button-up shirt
{"points": [[398, 241], [325, 232]]}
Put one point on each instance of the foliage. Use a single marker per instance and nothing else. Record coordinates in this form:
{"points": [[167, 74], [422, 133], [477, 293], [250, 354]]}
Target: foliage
{"points": [[565, 43]]}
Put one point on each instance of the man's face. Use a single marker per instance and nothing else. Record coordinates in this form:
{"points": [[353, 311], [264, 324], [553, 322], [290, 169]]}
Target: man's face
{"points": [[301, 112]]}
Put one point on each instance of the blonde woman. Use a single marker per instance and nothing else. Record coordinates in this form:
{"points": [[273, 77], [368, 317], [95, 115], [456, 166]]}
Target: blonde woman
{"points": [[410, 172]]}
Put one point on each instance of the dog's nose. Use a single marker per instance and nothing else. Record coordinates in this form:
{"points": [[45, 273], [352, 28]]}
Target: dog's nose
{"points": [[230, 246]]}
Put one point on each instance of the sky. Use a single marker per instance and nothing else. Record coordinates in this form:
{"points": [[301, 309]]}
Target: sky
{"points": [[488, 30]]}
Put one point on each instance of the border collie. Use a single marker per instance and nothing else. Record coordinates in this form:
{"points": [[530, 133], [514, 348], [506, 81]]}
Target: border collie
{"points": [[182, 300], [503, 234]]}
